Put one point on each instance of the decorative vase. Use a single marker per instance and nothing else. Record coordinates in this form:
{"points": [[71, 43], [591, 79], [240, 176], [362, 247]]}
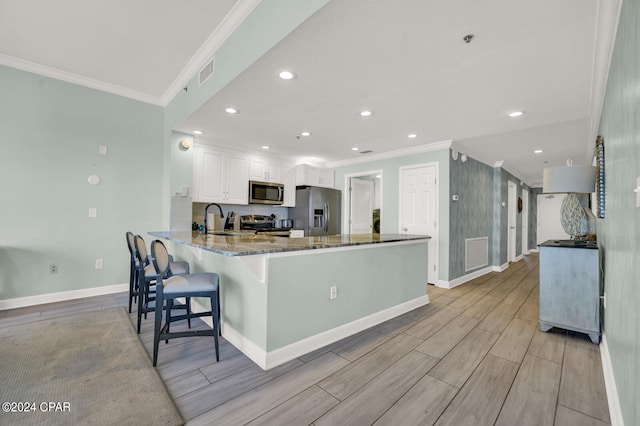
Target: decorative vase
{"points": [[573, 217]]}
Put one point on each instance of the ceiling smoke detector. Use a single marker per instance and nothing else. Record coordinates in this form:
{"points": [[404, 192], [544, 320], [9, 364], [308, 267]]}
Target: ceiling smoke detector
{"points": [[467, 39]]}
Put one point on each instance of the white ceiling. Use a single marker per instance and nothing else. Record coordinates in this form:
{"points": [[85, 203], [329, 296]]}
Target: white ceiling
{"points": [[404, 60]]}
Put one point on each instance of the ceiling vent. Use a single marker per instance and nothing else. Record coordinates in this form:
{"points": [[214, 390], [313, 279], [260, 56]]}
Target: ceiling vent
{"points": [[366, 151], [207, 71]]}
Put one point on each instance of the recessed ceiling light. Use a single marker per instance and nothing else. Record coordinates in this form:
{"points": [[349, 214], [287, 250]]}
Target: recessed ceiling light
{"points": [[306, 133], [197, 132], [412, 136], [265, 147], [365, 113], [355, 148], [231, 110], [537, 151], [515, 114], [286, 75]]}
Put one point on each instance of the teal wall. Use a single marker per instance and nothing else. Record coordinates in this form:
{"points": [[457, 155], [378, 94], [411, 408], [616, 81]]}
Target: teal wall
{"points": [[298, 288], [618, 233], [389, 222], [51, 131]]}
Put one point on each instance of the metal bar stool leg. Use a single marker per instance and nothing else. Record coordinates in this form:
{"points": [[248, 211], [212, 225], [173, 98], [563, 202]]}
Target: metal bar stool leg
{"points": [[216, 322], [157, 323]]}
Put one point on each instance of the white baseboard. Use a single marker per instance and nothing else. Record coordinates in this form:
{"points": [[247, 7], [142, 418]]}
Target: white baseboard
{"points": [[615, 411], [267, 360], [465, 278], [294, 350], [21, 302], [501, 268]]}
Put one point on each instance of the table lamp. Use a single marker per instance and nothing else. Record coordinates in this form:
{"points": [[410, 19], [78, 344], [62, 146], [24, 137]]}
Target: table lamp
{"points": [[572, 180]]}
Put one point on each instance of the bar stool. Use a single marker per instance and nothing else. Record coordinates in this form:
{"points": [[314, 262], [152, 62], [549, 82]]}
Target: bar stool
{"points": [[133, 281], [169, 287], [145, 277]]}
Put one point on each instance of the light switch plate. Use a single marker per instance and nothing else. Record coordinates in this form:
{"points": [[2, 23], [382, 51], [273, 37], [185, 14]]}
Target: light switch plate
{"points": [[103, 150], [93, 212]]}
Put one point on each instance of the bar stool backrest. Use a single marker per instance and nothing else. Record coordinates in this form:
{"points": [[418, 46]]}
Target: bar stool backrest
{"points": [[141, 250], [160, 258]]}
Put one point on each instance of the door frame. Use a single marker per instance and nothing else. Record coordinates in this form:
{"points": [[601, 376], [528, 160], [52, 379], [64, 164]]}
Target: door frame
{"points": [[435, 239], [346, 196], [371, 185]]}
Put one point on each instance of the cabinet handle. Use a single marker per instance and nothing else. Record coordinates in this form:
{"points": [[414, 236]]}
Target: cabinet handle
{"points": [[405, 229]]}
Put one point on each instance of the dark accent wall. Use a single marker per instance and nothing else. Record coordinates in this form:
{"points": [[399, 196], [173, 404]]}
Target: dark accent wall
{"points": [[500, 216], [533, 217], [472, 215]]}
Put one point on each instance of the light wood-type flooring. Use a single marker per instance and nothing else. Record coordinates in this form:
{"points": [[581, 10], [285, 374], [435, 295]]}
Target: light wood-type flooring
{"points": [[473, 356]]}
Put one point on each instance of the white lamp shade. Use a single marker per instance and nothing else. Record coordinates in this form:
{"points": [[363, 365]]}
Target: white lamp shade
{"points": [[565, 179]]}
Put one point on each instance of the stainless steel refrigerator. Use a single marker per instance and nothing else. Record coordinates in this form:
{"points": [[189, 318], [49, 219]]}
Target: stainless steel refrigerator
{"points": [[317, 211]]}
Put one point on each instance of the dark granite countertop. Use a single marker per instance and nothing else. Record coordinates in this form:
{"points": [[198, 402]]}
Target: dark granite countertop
{"points": [[245, 244], [570, 244]]}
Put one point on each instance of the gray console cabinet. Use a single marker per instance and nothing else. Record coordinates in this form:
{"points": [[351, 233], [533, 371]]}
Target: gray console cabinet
{"points": [[570, 287]]}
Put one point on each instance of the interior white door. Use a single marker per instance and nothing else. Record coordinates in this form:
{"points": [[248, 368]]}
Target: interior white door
{"points": [[511, 222], [549, 226], [418, 209], [361, 220], [525, 221]]}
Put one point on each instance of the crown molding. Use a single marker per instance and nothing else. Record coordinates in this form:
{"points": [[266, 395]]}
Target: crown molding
{"points": [[435, 146], [227, 26], [79, 80]]}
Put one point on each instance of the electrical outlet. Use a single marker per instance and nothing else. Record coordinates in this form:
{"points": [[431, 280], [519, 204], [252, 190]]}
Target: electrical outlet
{"points": [[333, 292], [53, 268], [99, 264], [93, 212]]}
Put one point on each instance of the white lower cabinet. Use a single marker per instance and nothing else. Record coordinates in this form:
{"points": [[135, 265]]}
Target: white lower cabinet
{"points": [[220, 176]]}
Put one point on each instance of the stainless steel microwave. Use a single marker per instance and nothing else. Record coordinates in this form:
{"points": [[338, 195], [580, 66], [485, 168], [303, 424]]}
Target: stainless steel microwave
{"points": [[265, 192]]}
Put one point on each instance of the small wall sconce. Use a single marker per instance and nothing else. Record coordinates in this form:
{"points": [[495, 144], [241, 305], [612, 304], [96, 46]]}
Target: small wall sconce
{"points": [[185, 144]]}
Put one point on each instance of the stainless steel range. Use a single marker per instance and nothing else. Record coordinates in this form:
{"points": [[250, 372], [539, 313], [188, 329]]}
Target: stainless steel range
{"points": [[263, 224]]}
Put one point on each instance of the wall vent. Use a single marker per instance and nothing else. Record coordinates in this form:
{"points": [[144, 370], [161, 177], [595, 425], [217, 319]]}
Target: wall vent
{"points": [[476, 253], [207, 71]]}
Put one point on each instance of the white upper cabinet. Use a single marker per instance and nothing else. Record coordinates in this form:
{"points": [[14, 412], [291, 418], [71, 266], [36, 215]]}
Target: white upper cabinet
{"points": [[220, 176], [289, 174], [265, 170], [325, 177], [314, 176]]}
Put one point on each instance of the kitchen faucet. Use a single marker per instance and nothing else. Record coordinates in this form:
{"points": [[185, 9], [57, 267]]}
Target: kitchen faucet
{"points": [[205, 214]]}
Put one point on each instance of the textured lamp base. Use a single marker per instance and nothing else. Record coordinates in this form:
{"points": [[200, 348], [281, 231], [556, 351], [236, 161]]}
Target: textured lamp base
{"points": [[573, 218]]}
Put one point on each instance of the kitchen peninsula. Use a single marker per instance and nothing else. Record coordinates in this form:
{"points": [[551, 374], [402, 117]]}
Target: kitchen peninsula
{"points": [[284, 297]]}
